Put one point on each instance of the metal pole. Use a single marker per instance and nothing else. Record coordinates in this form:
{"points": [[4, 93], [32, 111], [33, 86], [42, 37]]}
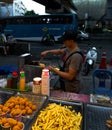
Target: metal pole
{"points": [[86, 21]]}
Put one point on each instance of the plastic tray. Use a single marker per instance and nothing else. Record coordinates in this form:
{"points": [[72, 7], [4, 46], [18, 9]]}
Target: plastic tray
{"points": [[100, 100], [27, 88], [95, 117], [78, 107]]}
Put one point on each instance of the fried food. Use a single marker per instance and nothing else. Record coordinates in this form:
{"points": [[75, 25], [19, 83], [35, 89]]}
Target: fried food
{"points": [[16, 127], [12, 123], [15, 112], [20, 124], [7, 124], [42, 65], [4, 110], [29, 111], [17, 105], [4, 120], [33, 107], [24, 112], [109, 123], [58, 117]]}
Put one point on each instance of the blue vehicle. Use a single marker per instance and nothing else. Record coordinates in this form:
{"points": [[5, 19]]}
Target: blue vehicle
{"points": [[26, 27]]}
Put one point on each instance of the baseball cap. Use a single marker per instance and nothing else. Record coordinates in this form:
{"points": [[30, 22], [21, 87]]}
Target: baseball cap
{"points": [[69, 35]]}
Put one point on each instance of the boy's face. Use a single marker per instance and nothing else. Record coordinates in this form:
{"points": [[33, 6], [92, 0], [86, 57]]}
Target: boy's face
{"points": [[67, 43]]}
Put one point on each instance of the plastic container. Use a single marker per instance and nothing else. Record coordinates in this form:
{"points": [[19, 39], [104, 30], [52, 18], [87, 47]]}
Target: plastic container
{"points": [[5, 127], [22, 80], [17, 117], [36, 88], [4, 114], [45, 82]]}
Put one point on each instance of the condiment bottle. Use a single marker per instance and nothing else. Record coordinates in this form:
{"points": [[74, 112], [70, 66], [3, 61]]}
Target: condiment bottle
{"points": [[14, 80], [9, 81], [36, 88], [22, 80], [45, 82]]}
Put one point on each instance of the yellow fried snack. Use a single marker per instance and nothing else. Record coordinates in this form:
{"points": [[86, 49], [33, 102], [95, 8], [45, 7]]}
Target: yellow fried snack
{"points": [[109, 123], [57, 117], [12, 123], [42, 65], [17, 105]]}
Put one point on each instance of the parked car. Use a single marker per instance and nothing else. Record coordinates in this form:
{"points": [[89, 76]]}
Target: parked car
{"points": [[82, 35]]}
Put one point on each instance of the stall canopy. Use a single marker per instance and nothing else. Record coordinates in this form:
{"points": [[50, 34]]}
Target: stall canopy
{"points": [[6, 1]]}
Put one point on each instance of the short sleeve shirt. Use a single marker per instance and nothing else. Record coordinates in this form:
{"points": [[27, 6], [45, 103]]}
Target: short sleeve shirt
{"points": [[75, 62]]}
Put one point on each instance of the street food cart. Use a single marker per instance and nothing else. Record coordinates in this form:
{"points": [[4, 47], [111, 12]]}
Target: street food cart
{"points": [[91, 111], [94, 114]]}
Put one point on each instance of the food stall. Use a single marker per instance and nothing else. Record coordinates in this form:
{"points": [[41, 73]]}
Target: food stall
{"points": [[93, 115], [63, 110]]}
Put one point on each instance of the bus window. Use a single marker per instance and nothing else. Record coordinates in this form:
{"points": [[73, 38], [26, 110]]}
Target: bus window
{"points": [[35, 26], [49, 20]]}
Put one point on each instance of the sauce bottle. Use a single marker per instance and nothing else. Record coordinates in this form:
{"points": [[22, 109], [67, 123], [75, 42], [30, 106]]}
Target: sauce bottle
{"points": [[22, 80], [14, 80], [9, 81]]}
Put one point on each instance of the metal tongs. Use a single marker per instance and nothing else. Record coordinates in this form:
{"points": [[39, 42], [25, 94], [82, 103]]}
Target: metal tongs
{"points": [[40, 63], [41, 59]]}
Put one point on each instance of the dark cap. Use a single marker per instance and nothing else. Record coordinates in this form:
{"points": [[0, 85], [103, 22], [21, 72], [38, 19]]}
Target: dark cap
{"points": [[69, 35]]}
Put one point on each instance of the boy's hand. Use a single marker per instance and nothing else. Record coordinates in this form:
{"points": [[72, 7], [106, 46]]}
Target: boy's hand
{"points": [[43, 54], [51, 68]]}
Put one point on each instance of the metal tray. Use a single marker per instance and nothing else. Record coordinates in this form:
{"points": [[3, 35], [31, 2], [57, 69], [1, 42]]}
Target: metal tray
{"points": [[39, 100], [78, 107], [5, 95], [95, 117]]}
